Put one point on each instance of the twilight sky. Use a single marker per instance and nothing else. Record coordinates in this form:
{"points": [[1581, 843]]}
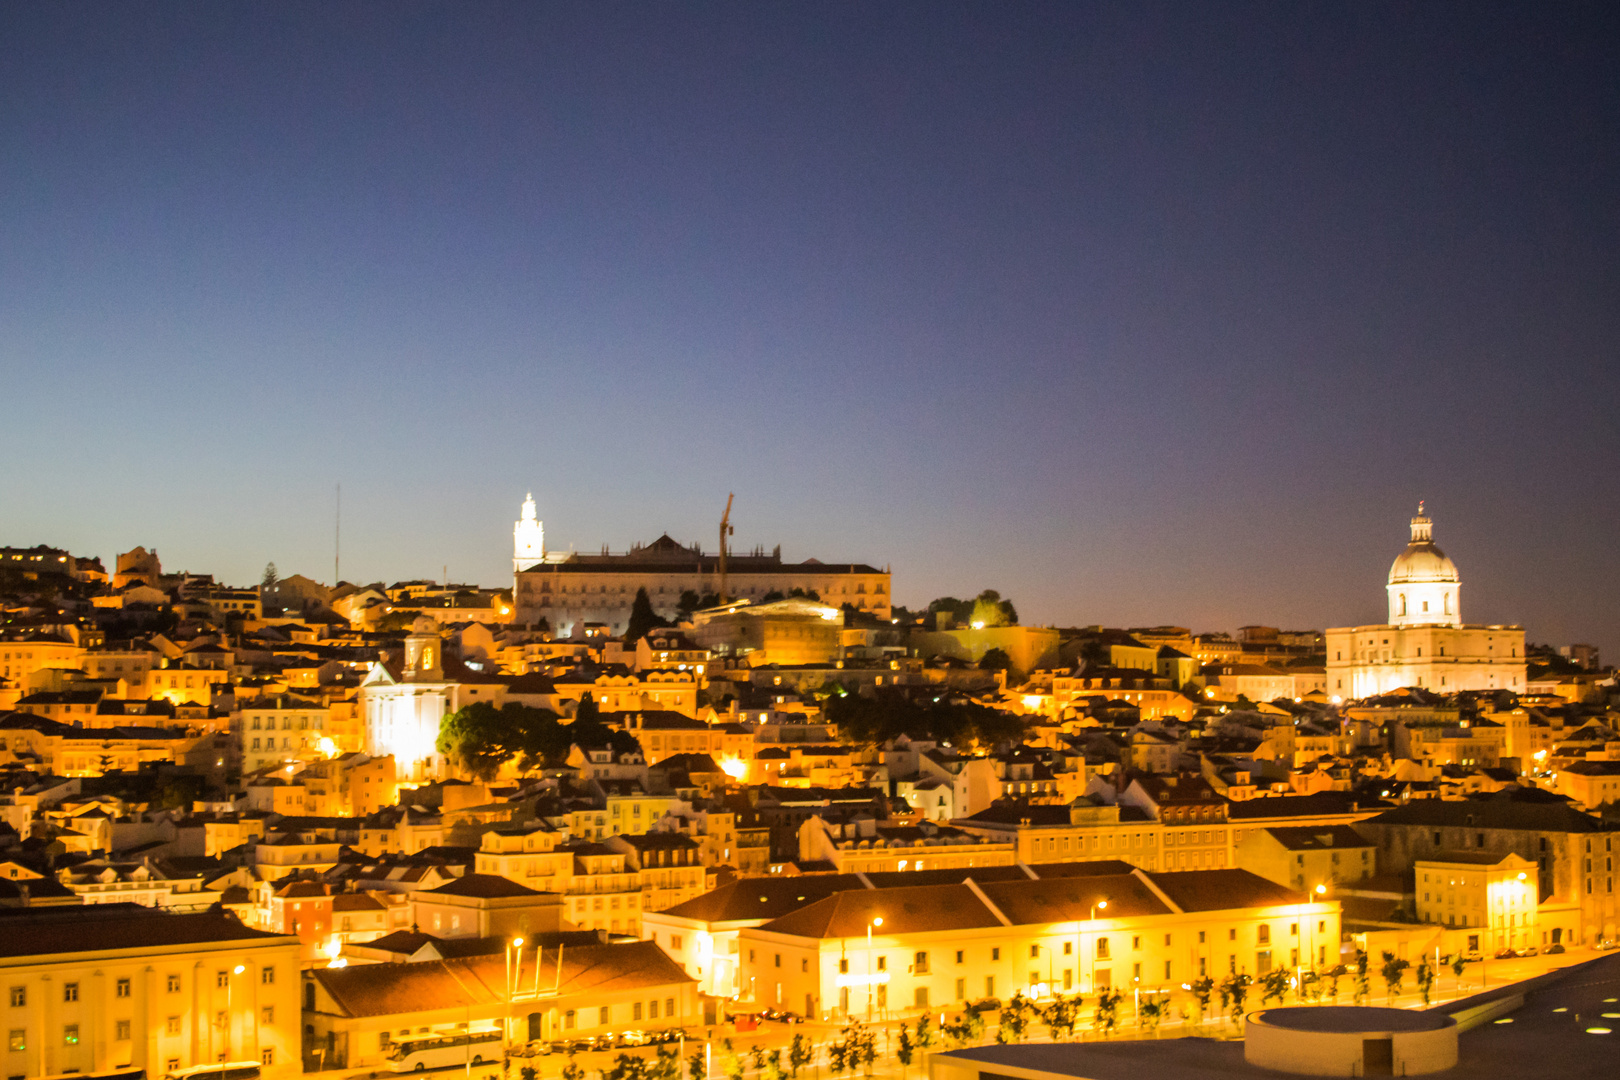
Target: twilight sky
{"points": [[1138, 313]]}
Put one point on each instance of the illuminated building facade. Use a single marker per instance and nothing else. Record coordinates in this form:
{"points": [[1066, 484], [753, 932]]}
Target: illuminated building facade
{"points": [[870, 951], [1425, 643], [402, 712], [571, 589], [1468, 889], [92, 989]]}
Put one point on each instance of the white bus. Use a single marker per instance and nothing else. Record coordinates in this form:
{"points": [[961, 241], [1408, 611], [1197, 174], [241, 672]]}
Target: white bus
{"points": [[438, 1051]]}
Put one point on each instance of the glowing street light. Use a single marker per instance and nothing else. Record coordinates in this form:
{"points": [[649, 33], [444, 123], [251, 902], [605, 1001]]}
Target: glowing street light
{"points": [[871, 976]]}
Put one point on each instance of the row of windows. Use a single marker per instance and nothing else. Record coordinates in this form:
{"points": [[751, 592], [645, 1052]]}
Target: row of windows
{"points": [[17, 1038], [18, 995], [304, 723], [604, 1014]]}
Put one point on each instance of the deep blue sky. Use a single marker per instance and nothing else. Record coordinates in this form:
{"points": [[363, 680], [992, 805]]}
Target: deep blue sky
{"points": [[1138, 313]]}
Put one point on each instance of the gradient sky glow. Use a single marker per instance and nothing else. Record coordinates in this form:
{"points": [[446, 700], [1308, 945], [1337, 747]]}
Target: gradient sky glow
{"points": [[1138, 313]]}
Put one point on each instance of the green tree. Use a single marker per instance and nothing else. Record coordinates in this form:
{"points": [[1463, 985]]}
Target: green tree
{"points": [[697, 1066], [925, 1032], [906, 1050], [731, 1062], [801, 1052], [1235, 993], [1333, 975], [890, 713], [1392, 970], [995, 660], [588, 712], [1107, 1014], [1425, 981], [865, 1047], [838, 1054], [627, 1067], [989, 609], [1202, 987], [1014, 1019], [1360, 990], [804, 594], [688, 603], [643, 618], [772, 597], [528, 1072], [571, 1070], [1150, 1013], [267, 589], [1061, 1015], [967, 1028], [480, 738], [1274, 987], [773, 1066]]}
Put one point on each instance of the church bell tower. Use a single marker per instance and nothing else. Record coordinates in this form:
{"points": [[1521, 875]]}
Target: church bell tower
{"points": [[528, 538]]}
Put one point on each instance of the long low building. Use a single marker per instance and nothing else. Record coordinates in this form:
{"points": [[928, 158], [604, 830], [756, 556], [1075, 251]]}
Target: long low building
{"points": [[116, 986], [861, 952], [356, 1017]]}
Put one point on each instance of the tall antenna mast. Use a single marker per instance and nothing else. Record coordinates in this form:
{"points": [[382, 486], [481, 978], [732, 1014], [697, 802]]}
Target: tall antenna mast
{"points": [[337, 538], [725, 530]]}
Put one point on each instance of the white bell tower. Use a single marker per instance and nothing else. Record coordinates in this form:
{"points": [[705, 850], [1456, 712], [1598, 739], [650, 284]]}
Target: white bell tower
{"points": [[528, 538]]}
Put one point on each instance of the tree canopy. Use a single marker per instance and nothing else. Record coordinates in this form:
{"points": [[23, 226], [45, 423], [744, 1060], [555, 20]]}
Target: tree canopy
{"points": [[642, 617], [987, 609], [480, 738], [995, 660], [889, 714]]}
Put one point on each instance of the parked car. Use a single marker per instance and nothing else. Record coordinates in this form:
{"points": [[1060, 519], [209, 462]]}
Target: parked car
{"points": [[781, 1016], [1530, 950], [1505, 954], [1554, 949], [1605, 945]]}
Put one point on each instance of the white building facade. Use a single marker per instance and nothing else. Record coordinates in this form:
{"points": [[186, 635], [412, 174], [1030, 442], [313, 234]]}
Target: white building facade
{"points": [[1425, 643]]}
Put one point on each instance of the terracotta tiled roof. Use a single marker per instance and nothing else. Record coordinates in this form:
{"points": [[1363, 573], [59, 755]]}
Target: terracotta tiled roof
{"points": [[387, 989], [84, 929]]}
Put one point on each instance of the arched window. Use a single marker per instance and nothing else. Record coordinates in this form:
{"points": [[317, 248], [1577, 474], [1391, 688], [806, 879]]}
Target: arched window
{"points": [[1448, 603], [1403, 603]]}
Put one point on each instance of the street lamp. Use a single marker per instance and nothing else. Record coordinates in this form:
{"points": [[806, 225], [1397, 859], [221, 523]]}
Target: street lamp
{"points": [[506, 1022], [230, 1006], [1099, 905], [871, 977], [1051, 981]]}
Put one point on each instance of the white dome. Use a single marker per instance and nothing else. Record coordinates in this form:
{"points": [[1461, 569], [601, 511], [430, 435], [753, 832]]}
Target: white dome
{"points": [[1422, 562], [1424, 586]]}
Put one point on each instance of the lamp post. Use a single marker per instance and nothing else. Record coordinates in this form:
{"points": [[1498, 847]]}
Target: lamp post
{"points": [[871, 975], [230, 1007], [1051, 981], [1100, 905], [506, 1021], [1310, 941]]}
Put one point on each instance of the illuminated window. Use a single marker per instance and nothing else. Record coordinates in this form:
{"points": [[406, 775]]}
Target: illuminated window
{"points": [[70, 1035]]}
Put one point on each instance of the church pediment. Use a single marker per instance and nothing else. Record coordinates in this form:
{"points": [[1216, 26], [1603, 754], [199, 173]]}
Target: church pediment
{"points": [[379, 675]]}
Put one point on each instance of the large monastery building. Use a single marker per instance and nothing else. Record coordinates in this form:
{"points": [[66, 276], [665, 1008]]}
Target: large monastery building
{"points": [[570, 589]]}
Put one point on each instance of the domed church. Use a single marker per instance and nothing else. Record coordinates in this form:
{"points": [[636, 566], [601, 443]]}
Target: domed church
{"points": [[1425, 643]]}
